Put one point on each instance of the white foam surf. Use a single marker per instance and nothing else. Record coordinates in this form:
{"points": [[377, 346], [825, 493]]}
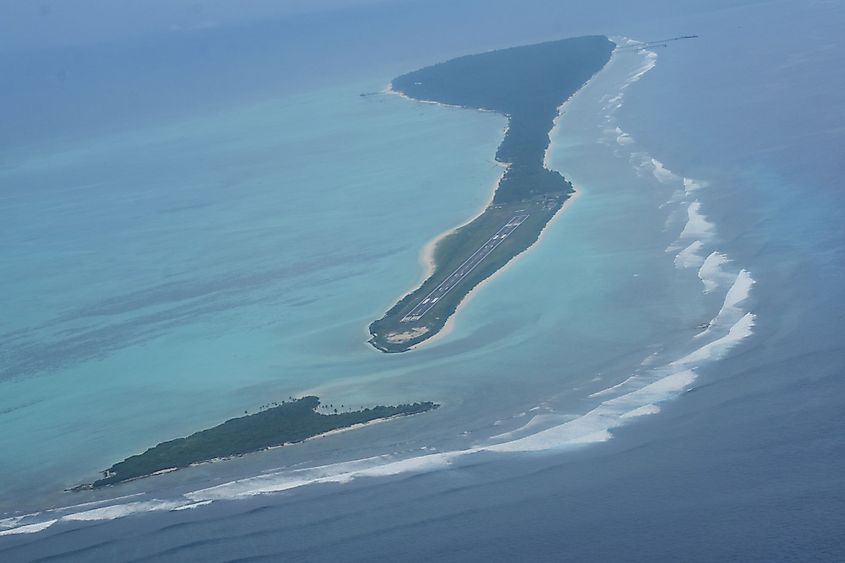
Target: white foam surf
{"points": [[612, 103], [717, 349], [739, 291], [29, 528], [637, 396], [711, 272], [192, 505], [689, 257], [613, 388], [697, 224], [120, 510], [663, 174], [623, 138], [642, 411], [596, 425], [731, 310], [726, 331], [110, 512], [691, 185], [540, 420], [344, 472]]}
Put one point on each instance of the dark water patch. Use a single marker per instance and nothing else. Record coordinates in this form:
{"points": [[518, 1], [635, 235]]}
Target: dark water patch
{"points": [[13, 408], [186, 290], [29, 353], [34, 357]]}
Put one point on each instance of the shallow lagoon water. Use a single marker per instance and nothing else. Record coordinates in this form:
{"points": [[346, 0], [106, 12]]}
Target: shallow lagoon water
{"points": [[187, 270]]}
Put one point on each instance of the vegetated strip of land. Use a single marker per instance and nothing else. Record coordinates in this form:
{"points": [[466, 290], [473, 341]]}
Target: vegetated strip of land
{"points": [[465, 269], [285, 423], [527, 85]]}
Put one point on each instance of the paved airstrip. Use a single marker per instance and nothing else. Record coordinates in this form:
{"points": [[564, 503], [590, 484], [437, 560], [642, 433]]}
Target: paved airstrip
{"points": [[464, 269]]}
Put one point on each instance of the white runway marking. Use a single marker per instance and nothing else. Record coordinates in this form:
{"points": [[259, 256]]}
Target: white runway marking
{"points": [[461, 271]]}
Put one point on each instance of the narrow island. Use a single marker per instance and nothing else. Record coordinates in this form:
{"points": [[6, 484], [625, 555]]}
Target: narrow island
{"points": [[527, 85], [286, 423]]}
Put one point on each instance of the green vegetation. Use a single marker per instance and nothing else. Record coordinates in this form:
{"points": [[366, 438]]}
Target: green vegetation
{"points": [[285, 423], [526, 84]]}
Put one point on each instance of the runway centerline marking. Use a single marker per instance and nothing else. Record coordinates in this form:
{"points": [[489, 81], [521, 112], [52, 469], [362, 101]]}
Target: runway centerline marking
{"points": [[464, 269]]}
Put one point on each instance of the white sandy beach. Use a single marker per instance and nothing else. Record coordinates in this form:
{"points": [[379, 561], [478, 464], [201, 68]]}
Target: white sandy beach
{"points": [[450, 322], [427, 258]]}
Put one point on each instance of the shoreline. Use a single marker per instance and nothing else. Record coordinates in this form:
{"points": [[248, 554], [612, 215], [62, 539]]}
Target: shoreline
{"points": [[284, 424], [222, 459], [561, 109], [449, 326], [426, 256], [389, 90], [349, 428]]}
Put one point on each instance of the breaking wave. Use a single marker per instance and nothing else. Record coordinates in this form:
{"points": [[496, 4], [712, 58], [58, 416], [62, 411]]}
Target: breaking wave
{"points": [[711, 273]]}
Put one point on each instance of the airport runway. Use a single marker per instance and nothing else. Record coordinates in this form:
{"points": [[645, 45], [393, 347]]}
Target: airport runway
{"points": [[464, 269]]}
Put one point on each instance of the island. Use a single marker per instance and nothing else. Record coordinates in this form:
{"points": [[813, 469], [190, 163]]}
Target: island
{"points": [[528, 85], [276, 425]]}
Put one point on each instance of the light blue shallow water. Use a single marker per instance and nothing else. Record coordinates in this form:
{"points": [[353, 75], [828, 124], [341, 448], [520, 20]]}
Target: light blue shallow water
{"points": [[749, 457], [191, 270]]}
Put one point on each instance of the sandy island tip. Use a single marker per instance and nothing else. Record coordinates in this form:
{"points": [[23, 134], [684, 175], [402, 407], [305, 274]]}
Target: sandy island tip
{"points": [[528, 85]]}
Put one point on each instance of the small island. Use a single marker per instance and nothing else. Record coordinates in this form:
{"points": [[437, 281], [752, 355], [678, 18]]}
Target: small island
{"points": [[527, 85], [285, 423]]}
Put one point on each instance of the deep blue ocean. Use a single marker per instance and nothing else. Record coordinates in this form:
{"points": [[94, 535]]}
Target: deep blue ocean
{"points": [[199, 221]]}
